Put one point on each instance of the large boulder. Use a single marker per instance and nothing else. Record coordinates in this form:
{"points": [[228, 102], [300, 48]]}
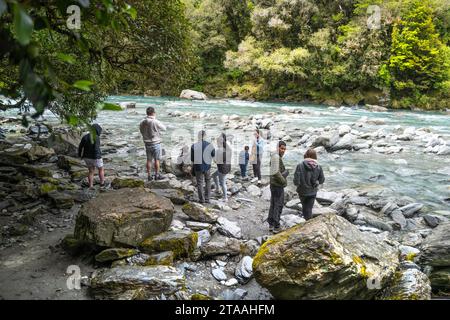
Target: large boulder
{"points": [[65, 143], [346, 142], [136, 282], [325, 258], [435, 250], [123, 217], [193, 95]]}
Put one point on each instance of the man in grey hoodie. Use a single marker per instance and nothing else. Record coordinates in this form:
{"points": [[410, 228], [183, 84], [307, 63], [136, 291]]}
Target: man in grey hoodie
{"points": [[151, 133], [307, 177]]}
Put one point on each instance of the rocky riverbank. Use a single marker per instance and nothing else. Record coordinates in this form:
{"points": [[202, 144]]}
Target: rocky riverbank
{"points": [[141, 240]]}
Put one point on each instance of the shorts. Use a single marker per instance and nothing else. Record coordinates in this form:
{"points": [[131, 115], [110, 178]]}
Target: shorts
{"points": [[94, 163], [153, 151]]}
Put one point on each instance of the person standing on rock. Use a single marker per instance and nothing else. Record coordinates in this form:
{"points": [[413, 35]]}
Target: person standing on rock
{"points": [[89, 150], [223, 160], [256, 155], [202, 154], [307, 177], [150, 129], [278, 182], [244, 158]]}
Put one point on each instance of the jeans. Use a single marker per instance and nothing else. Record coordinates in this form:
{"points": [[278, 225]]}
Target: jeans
{"points": [[307, 205], [257, 167], [243, 170], [276, 206], [203, 194], [220, 177]]}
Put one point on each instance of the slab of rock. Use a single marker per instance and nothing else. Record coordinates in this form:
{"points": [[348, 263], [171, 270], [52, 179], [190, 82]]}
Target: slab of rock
{"points": [[436, 247], [219, 275], [221, 246], [61, 200], [193, 95], [115, 254], [126, 182], [200, 213], [123, 217], [305, 261], [228, 228], [136, 282], [181, 242], [175, 195], [411, 209]]}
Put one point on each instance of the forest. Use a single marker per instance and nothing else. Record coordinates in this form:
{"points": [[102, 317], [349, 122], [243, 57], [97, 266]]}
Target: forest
{"points": [[389, 52]]}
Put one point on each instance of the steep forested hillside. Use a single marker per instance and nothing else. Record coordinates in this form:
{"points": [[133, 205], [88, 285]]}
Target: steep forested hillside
{"points": [[351, 51]]}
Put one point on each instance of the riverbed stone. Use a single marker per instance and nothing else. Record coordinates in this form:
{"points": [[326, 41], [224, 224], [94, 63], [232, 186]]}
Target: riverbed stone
{"points": [[115, 254], [220, 246], [228, 228], [409, 284], [136, 282], [181, 242], [200, 213], [126, 182], [436, 247], [319, 251], [123, 217]]}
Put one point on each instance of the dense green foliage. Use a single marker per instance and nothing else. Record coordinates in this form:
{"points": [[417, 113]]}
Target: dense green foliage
{"points": [[319, 50], [120, 45], [327, 51]]}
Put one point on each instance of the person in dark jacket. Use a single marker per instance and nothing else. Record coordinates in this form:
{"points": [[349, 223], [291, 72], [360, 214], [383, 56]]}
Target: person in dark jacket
{"points": [[278, 182], [202, 154], [308, 176], [89, 150], [223, 160]]}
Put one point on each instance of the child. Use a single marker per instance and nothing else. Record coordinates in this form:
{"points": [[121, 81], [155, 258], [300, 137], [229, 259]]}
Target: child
{"points": [[243, 161], [89, 150]]}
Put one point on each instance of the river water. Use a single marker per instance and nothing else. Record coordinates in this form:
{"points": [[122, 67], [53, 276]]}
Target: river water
{"points": [[423, 177]]}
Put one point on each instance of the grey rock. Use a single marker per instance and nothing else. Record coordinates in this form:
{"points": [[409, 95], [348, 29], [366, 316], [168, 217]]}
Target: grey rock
{"points": [[219, 275], [411, 209], [244, 270], [398, 218], [136, 282], [409, 284], [228, 228], [200, 213], [436, 247]]}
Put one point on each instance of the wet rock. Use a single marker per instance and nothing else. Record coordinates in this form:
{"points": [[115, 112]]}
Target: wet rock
{"points": [[200, 213], [219, 275], [228, 228], [181, 242], [193, 95], [436, 247], [319, 251], [244, 270], [411, 209], [115, 254], [126, 182], [136, 282], [345, 143], [432, 220], [409, 284], [399, 218], [123, 217], [221, 246]]}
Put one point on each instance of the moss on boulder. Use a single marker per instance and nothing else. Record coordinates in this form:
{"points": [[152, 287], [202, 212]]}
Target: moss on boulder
{"points": [[181, 243]]}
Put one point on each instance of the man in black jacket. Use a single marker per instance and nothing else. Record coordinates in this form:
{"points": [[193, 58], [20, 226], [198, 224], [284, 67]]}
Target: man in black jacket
{"points": [[89, 150], [308, 176]]}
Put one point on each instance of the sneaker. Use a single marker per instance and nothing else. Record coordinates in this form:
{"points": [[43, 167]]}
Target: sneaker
{"points": [[271, 228], [150, 178], [259, 182], [277, 230], [159, 177]]}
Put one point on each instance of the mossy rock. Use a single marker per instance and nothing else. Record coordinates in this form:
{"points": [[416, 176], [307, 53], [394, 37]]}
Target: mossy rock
{"points": [[46, 188], [440, 279], [199, 296], [111, 107], [119, 183], [115, 254], [165, 258], [181, 243]]}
